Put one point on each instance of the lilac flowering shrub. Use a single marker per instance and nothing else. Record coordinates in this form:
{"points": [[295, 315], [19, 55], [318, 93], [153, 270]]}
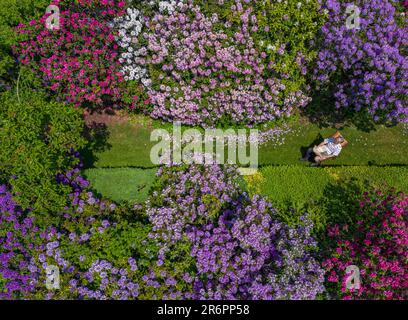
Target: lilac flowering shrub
{"points": [[205, 239], [367, 68], [227, 247], [16, 269], [200, 194], [248, 255]]}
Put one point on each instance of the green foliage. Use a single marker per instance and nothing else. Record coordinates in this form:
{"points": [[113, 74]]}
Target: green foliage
{"points": [[36, 137], [13, 12]]}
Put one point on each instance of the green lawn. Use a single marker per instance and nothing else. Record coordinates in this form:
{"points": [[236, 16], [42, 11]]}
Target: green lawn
{"points": [[121, 184], [384, 146], [295, 186], [128, 145]]}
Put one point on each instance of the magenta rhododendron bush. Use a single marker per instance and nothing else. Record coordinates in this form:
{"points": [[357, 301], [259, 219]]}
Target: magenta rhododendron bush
{"points": [[78, 61], [377, 245]]}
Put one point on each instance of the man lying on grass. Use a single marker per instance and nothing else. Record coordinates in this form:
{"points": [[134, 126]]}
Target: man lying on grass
{"points": [[330, 148]]}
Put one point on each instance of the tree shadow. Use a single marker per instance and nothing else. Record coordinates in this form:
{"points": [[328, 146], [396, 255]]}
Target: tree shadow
{"points": [[97, 135], [341, 201], [323, 113]]}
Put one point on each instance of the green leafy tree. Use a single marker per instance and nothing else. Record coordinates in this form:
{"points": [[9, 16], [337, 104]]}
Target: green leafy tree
{"points": [[36, 138], [13, 12]]}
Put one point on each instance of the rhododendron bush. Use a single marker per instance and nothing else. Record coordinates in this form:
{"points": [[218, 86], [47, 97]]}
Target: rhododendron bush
{"points": [[200, 73], [236, 247], [377, 244], [224, 246], [369, 64], [79, 61]]}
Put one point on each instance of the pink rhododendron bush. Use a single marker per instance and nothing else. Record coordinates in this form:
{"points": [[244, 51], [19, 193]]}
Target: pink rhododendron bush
{"points": [[377, 245], [202, 75], [202, 69]]}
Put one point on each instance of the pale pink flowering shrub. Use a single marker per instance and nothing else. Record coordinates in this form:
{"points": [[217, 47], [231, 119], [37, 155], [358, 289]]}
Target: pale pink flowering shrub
{"points": [[78, 62], [377, 245], [201, 75]]}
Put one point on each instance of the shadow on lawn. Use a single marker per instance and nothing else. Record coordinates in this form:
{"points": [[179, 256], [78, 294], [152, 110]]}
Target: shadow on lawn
{"points": [[303, 149], [339, 204], [322, 112], [97, 135]]}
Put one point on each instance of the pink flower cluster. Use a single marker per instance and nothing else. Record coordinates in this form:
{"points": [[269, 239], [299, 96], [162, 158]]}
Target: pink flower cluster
{"points": [[202, 76], [377, 245], [78, 62]]}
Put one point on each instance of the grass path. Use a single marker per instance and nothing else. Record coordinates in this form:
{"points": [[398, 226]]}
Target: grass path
{"points": [[122, 170], [128, 145]]}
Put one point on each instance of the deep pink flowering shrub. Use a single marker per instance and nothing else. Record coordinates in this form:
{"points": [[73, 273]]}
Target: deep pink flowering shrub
{"points": [[79, 61], [377, 245], [368, 67], [201, 76]]}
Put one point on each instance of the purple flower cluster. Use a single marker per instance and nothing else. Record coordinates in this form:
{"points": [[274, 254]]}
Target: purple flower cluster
{"points": [[19, 238], [189, 197], [248, 255], [369, 64], [105, 281], [239, 250], [202, 76]]}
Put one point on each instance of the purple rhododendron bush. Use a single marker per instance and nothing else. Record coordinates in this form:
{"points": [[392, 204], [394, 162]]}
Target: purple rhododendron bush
{"points": [[204, 240], [238, 249], [369, 65]]}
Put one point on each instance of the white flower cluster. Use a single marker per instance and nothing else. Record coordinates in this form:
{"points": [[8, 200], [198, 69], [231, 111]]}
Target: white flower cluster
{"points": [[130, 26], [168, 6]]}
